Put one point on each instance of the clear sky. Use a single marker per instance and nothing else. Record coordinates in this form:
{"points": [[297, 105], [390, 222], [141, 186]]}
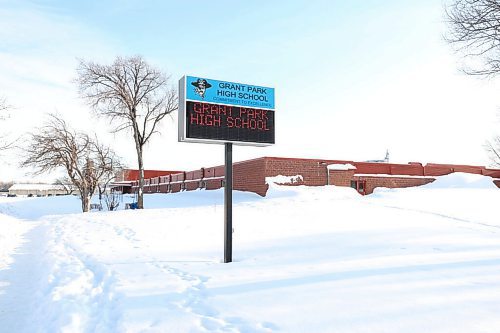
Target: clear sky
{"points": [[352, 78]]}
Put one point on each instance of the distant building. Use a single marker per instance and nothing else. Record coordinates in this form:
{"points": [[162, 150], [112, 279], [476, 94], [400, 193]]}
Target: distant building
{"points": [[42, 190]]}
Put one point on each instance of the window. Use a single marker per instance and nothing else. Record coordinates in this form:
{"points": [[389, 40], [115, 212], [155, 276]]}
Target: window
{"points": [[361, 187]]}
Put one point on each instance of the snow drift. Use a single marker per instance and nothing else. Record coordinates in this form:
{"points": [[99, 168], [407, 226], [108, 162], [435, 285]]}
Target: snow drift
{"points": [[307, 259]]}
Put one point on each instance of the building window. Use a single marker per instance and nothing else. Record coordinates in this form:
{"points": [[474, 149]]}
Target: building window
{"points": [[361, 187]]}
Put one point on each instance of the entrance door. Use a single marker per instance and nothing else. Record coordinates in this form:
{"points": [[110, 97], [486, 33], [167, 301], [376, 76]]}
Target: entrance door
{"points": [[359, 185]]}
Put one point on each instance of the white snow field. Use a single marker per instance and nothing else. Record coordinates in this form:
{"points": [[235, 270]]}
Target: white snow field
{"points": [[306, 259]]}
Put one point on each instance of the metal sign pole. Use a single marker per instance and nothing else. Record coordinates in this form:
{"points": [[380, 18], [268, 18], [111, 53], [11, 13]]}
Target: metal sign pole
{"points": [[228, 203]]}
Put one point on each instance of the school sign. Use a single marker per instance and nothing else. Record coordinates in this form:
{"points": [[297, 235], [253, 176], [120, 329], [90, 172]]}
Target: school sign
{"points": [[213, 111]]}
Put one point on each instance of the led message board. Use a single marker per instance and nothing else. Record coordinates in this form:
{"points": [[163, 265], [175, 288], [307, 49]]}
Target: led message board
{"points": [[212, 111]]}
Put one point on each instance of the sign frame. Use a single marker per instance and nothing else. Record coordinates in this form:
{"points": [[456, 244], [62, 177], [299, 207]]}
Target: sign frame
{"points": [[182, 115]]}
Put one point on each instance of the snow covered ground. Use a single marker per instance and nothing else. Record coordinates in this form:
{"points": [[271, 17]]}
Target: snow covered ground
{"points": [[306, 260]]}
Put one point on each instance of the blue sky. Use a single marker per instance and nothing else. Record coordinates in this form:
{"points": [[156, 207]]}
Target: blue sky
{"points": [[352, 78]]}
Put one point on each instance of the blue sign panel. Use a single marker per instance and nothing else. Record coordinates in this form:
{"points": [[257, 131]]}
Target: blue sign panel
{"points": [[230, 93]]}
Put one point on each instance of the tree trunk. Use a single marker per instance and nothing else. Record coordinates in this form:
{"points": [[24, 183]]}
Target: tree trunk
{"points": [[85, 201], [140, 194], [138, 148], [101, 191]]}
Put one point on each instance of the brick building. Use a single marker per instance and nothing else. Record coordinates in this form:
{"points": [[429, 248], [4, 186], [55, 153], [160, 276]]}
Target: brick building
{"points": [[131, 174], [251, 175]]}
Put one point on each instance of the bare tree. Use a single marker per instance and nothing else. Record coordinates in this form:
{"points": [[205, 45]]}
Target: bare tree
{"points": [[66, 185], [4, 108], [4, 186], [115, 166], [493, 149], [474, 29], [112, 200], [133, 95], [85, 160]]}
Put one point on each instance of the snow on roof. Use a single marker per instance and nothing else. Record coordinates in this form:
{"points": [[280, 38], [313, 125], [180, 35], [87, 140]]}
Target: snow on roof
{"points": [[384, 175], [341, 167]]}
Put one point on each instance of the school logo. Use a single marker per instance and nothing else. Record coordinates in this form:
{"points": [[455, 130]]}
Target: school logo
{"points": [[200, 87]]}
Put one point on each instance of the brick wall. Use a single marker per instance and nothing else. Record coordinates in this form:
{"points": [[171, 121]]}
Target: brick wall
{"points": [[130, 174], [365, 167], [435, 170], [250, 176], [314, 172], [193, 175], [175, 187], [213, 184], [341, 177], [409, 170], [191, 185], [373, 182], [494, 173]]}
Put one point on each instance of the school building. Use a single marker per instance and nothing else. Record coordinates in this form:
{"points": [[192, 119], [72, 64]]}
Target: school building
{"points": [[251, 175]]}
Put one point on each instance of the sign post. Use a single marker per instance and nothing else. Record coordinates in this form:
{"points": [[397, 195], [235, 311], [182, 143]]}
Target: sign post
{"points": [[221, 112], [228, 203]]}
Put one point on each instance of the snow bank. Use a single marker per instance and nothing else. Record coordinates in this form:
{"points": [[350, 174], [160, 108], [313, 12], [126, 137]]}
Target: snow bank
{"points": [[462, 180], [284, 179], [11, 231], [306, 259], [34, 208], [450, 196], [196, 198]]}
